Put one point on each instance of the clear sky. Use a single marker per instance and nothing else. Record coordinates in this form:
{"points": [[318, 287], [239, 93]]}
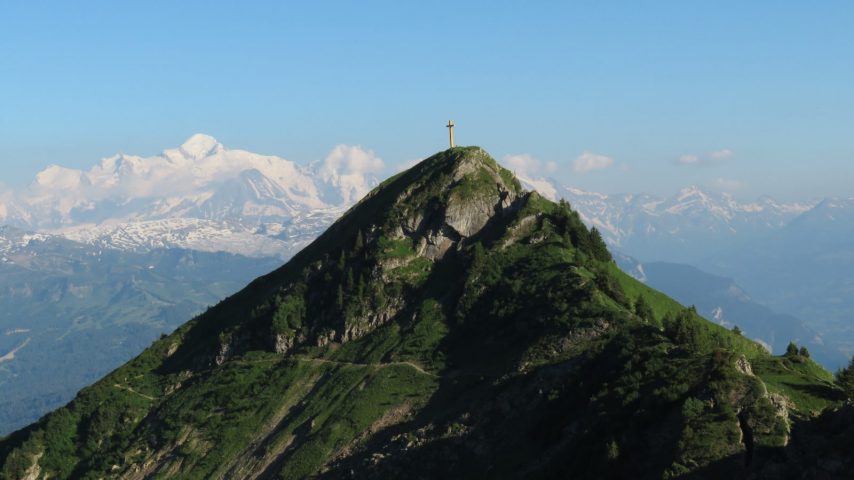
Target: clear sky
{"points": [[751, 96]]}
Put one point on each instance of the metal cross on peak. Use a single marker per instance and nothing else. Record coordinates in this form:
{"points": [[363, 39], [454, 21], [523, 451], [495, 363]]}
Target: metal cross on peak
{"points": [[450, 126]]}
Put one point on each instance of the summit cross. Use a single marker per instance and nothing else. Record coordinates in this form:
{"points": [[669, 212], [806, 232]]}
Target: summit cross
{"points": [[450, 126]]}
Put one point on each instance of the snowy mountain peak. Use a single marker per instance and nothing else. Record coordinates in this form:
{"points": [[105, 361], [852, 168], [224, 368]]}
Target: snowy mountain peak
{"points": [[199, 195], [200, 146], [692, 191]]}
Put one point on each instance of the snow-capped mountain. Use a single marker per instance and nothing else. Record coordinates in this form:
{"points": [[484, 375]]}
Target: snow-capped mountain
{"points": [[692, 223], [200, 195]]}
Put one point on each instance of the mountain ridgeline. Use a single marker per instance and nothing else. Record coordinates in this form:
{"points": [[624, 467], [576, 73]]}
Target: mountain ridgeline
{"points": [[449, 325]]}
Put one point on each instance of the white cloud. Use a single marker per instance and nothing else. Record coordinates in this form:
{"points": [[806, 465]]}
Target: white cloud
{"points": [[589, 161], [544, 187], [348, 159], [349, 169], [711, 158], [522, 164]]}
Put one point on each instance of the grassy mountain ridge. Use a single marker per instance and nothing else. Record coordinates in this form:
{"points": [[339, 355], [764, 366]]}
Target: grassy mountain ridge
{"points": [[450, 324]]}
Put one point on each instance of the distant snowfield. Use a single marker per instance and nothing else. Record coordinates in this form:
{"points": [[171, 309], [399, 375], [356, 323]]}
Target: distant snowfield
{"points": [[272, 239]]}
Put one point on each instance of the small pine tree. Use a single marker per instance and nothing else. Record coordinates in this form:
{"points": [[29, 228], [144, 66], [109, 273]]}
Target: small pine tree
{"points": [[350, 284], [804, 352], [360, 242], [736, 330], [598, 247], [681, 328], [642, 309], [791, 350], [581, 240], [339, 299]]}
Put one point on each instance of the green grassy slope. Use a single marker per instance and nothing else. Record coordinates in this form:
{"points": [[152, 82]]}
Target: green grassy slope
{"points": [[449, 325]]}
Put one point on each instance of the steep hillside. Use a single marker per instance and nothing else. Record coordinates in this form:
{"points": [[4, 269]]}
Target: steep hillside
{"points": [[726, 303], [450, 325], [71, 312]]}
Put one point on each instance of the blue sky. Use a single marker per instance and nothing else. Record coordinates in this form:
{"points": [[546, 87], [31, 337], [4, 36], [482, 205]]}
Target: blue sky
{"points": [[754, 97]]}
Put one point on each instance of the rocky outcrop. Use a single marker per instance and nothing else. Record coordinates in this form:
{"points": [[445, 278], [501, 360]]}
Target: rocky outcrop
{"points": [[283, 342], [34, 472], [743, 366], [471, 196]]}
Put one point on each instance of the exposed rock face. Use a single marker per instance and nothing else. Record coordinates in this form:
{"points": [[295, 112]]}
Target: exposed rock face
{"points": [[743, 366], [223, 354], [475, 192], [282, 343], [468, 217], [34, 472], [435, 244]]}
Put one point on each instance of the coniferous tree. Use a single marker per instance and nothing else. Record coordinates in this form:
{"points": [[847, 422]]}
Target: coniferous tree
{"points": [[791, 350], [350, 284], [360, 242], [581, 240], [736, 330], [642, 309], [598, 247], [804, 352], [680, 327], [342, 260]]}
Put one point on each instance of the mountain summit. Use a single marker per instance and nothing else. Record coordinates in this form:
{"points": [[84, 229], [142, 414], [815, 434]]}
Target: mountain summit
{"points": [[449, 325], [201, 145]]}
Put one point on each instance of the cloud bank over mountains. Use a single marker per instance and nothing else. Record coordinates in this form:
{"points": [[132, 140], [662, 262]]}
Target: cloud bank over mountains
{"points": [[199, 179]]}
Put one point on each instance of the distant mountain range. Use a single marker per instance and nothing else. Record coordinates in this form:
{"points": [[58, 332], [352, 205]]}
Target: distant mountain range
{"points": [[686, 226], [200, 196], [804, 268], [204, 196]]}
